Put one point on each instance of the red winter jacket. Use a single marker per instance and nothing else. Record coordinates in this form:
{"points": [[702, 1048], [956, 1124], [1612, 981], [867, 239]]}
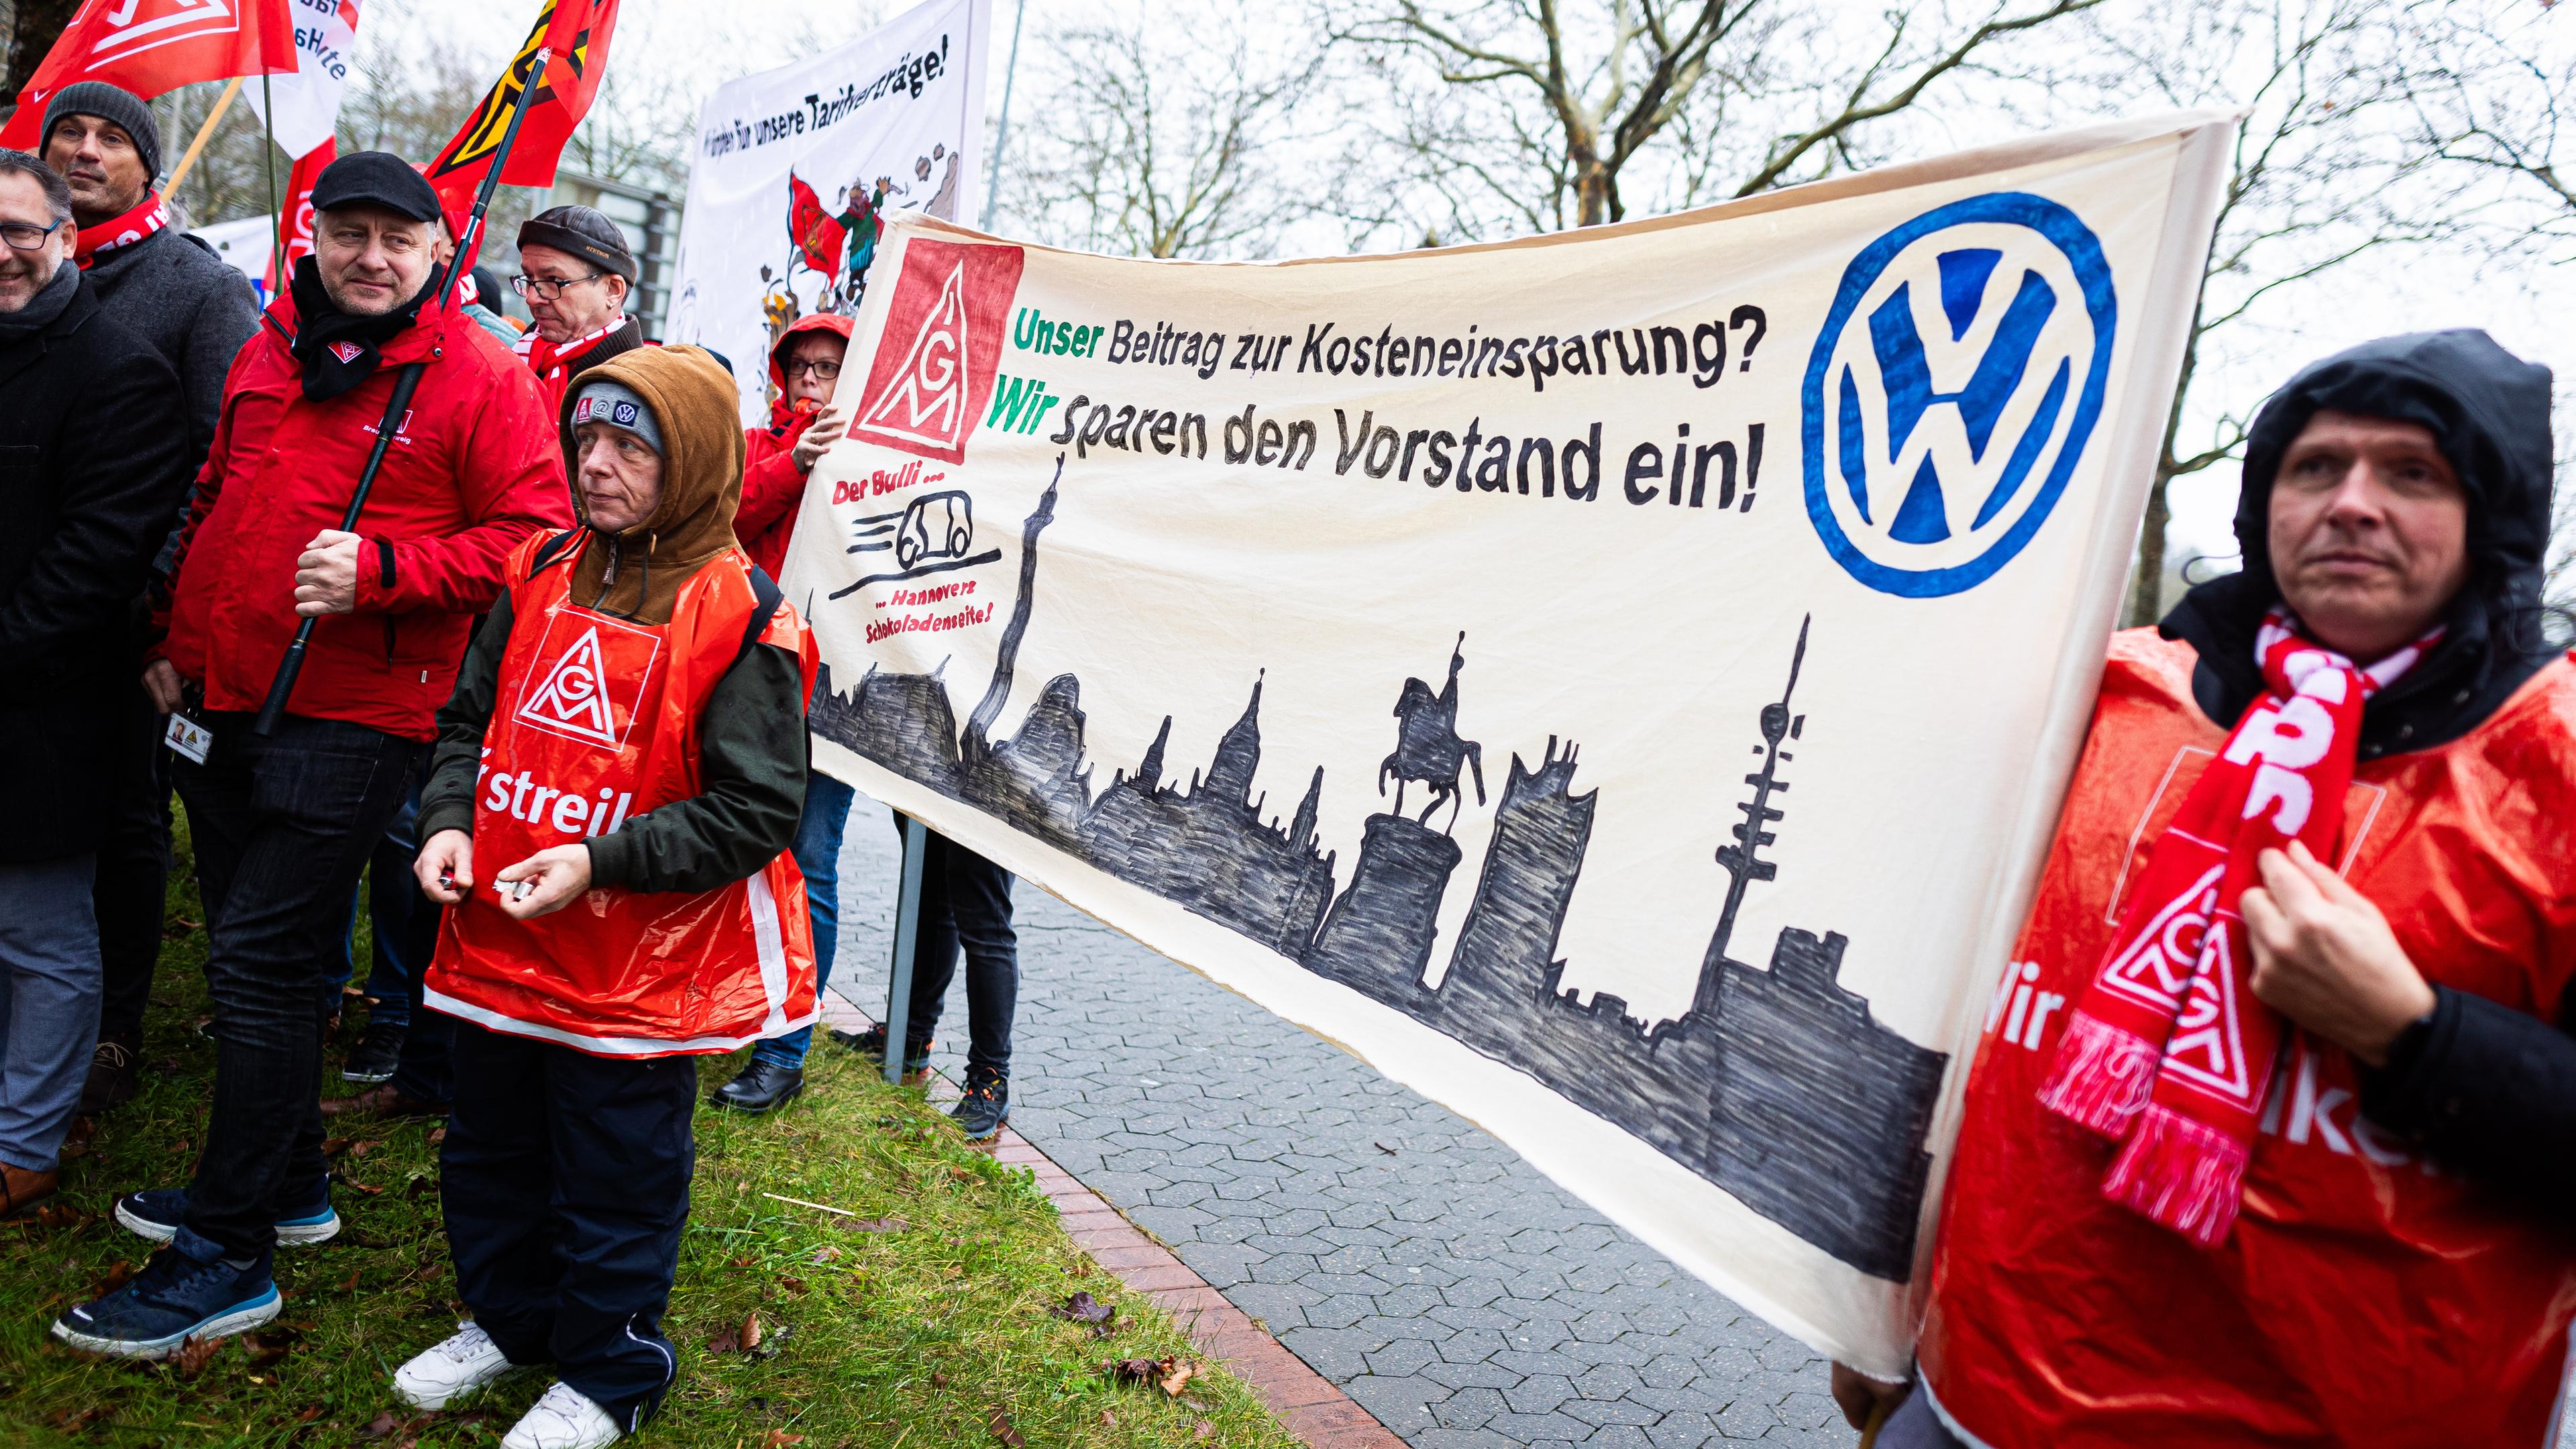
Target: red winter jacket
{"points": [[473, 469], [772, 484]]}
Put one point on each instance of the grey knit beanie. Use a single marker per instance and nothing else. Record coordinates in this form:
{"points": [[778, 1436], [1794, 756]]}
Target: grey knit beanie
{"points": [[619, 406], [115, 105]]}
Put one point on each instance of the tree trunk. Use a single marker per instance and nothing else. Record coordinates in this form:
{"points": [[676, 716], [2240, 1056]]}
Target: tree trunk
{"points": [[2147, 582], [39, 24], [1592, 182]]}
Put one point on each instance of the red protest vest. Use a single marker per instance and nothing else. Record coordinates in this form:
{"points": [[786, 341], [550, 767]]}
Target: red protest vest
{"points": [[2365, 1298], [596, 721]]}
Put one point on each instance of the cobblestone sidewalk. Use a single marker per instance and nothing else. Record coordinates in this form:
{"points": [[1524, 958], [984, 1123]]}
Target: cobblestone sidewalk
{"points": [[1410, 1258]]}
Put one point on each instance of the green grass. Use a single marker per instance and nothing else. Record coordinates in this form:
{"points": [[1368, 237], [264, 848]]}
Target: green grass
{"points": [[917, 1337]]}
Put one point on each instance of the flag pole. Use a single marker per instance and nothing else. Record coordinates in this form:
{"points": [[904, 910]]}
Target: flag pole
{"points": [[205, 133], [442, 279], [268, 161]]}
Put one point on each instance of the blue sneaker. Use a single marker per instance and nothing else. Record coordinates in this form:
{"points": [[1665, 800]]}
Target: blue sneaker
{"points": [[174, 1299], [156, 1213]]}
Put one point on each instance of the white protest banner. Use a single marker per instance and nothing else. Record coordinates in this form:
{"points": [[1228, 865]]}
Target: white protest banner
{"points": [[796, 168], [1619, 683], [303, 109]]}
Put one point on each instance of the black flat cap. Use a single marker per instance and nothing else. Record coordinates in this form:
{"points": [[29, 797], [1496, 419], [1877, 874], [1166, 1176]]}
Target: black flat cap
{"points": [[376, 178], [581, 232]]}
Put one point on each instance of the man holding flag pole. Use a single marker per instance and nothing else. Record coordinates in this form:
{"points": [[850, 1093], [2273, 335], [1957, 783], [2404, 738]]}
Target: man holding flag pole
{"points": [[377, 459]]}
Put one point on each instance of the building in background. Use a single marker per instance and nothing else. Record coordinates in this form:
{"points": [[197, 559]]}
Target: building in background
{"points": [[651, 221]]}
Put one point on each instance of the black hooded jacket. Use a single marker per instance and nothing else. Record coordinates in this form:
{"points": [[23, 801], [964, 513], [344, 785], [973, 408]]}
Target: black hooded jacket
{"points": [[2483, 1087]]}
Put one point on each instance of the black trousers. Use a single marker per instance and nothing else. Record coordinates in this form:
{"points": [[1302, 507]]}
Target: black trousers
{"points": [[965, 904], [282, 827], [565, 1181], [134, 871]]}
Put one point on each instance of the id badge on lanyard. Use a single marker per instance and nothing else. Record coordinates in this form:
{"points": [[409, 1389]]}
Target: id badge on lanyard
{"points": [[189, 739]]}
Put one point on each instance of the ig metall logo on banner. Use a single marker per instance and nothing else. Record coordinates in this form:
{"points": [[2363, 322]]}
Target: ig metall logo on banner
{"points": [[1952, 390]]}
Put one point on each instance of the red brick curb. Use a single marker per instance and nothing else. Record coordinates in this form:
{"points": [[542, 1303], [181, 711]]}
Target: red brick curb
{"points": [[1308, 1403]]}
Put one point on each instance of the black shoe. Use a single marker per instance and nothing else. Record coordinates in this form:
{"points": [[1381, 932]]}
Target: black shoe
{"points": [[378, 1052], [762, 1087], [111, 1077], [175, 1298], [986, 1105], [870, 1043]]}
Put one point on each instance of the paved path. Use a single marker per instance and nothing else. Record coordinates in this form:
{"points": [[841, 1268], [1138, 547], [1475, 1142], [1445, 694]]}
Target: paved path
{"points": [[1462, 1298]]}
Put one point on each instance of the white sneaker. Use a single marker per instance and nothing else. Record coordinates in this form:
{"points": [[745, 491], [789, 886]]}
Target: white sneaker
{"points": [[466, 1361], [564, 1419]]}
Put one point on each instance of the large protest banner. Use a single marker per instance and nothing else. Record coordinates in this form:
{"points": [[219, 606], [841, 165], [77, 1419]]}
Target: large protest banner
{"points": [[1619, 683], [797, 168]]}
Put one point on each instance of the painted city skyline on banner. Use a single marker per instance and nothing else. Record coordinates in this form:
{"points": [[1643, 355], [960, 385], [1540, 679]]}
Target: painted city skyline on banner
{"points": [[1776, 1084]]}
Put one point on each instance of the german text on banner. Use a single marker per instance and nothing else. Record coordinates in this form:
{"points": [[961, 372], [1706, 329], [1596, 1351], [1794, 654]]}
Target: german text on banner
{"points": [[1619, 683], [797, 169]]}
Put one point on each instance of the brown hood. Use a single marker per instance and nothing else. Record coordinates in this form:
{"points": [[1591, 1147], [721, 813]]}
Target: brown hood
{"points": [[637, 574]]}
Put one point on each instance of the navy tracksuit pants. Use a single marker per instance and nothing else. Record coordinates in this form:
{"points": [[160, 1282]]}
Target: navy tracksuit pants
{"points": [[565, 1182]]}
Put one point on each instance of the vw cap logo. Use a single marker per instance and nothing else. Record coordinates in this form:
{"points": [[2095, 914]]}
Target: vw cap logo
{"points": [[1952, 390]]}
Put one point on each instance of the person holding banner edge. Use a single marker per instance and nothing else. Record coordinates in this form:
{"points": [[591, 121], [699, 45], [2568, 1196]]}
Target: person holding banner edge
{"points": [[804, 368], [2274, 1144], [282, 823]]}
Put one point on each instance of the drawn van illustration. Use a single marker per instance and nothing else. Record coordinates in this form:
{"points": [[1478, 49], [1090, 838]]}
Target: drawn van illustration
{"points": [[935, 526]]}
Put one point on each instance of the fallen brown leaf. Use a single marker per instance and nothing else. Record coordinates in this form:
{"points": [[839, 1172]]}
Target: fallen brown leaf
{"points": [[725, 1340], [792, 1285], [361, 1149], [269, 1347], [72, 1421], [334, 1146], [352, 1285], [437, 1135], [751, 1331], [308, 1413], [939, 1380], [1083, 1308], [824, 1254], [1108, 1420], [1203, 1430], [780, 1439], [872, 1225], [115, 1279], [353, 1184], [382, 1426], [190, 1357], [1000, 1424], [962, 1174], [58, 1215], [1178, 1375], [181, 1147], [420, 1187], [1137, 1370]]}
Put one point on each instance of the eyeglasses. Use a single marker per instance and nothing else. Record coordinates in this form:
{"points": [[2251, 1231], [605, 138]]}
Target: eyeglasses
{"points": [[823, 371], [547, 289], [26, 236]]}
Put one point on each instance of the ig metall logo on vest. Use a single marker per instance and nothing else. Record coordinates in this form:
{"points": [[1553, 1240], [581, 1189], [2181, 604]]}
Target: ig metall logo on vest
{"points": [[595, 677], [1952, 390]]}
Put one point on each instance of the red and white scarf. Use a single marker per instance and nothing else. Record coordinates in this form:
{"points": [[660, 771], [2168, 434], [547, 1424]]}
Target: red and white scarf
{"points": [[93, 242], [548, 359], [2169, 1053]]}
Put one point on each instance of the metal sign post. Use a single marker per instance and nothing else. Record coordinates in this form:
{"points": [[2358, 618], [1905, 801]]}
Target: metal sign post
{"points": [[907, 936]]}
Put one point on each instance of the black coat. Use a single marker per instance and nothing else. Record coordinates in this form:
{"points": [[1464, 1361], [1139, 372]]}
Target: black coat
{"points": [[2486, 1089], [93, 462]]}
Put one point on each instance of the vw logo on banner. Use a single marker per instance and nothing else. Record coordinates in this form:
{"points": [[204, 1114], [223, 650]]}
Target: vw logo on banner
{"points": [[1952, 390]]}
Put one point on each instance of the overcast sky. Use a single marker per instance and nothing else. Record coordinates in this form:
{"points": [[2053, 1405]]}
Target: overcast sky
{"points": [[2529, 305]]}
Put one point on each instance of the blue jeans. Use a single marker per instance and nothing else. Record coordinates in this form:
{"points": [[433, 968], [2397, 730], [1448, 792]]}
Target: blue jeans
{"points": [[49, 991], [818, 856]]}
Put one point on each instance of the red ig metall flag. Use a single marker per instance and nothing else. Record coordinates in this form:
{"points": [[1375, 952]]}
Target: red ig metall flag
{"points": [[575, 35], [295, 217], [816, 232], [153, 46]]}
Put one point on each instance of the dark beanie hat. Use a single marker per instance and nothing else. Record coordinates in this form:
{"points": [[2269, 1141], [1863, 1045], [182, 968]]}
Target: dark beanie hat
{"points": [[115, 105], [376, 178], [584, 233]]}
